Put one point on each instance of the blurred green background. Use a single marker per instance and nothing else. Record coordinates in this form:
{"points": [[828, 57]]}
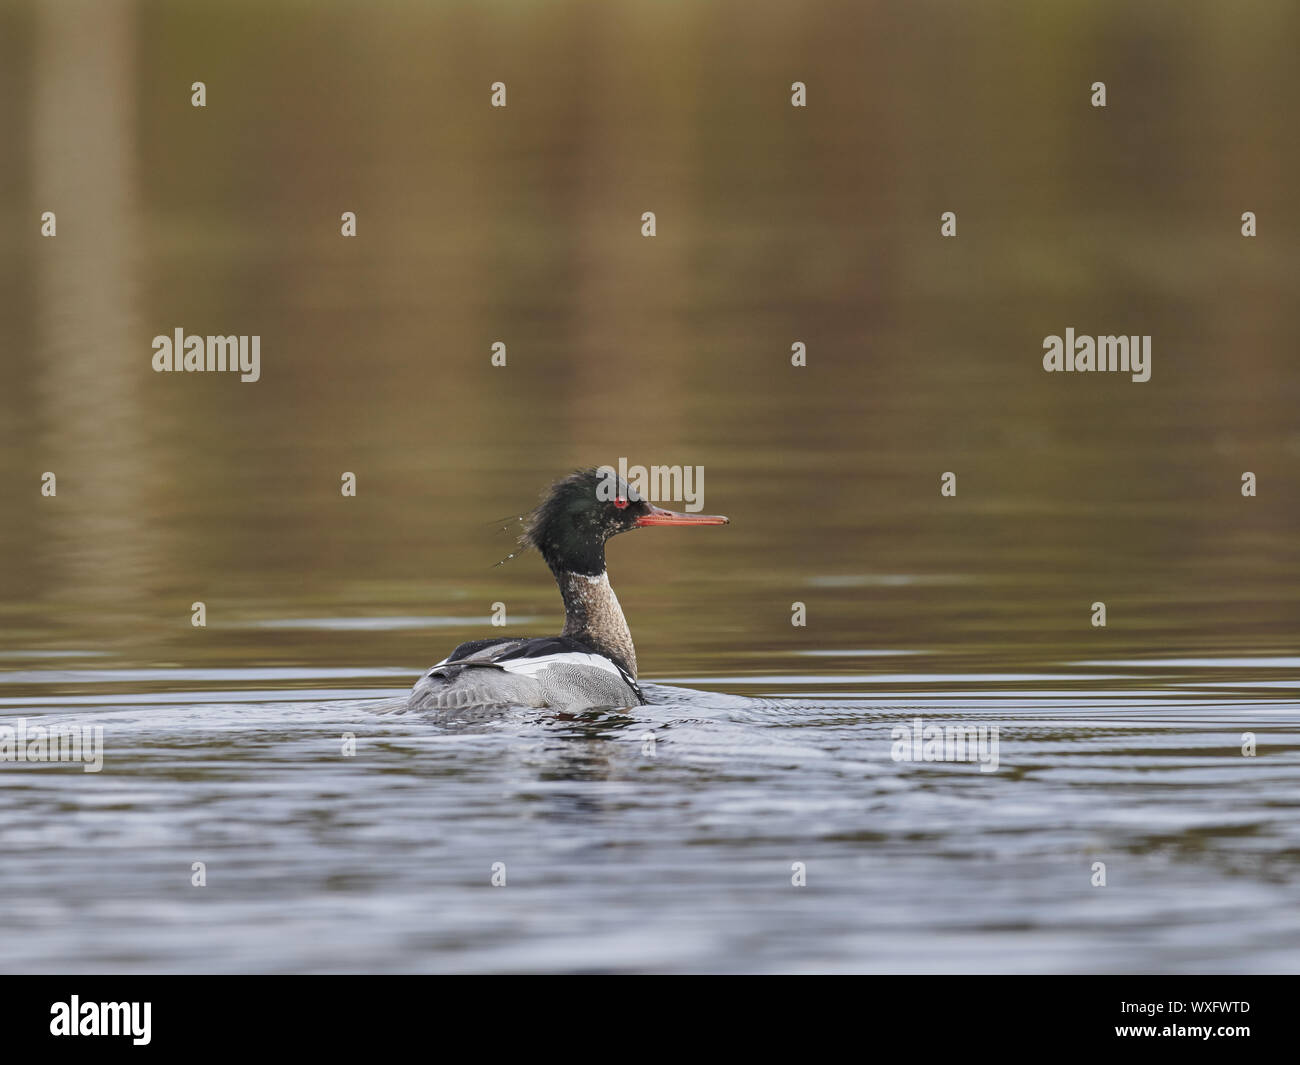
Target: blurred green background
{"points": [[775, 224]]}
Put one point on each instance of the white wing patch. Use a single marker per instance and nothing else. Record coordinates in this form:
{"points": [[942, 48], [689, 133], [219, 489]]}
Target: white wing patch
{"points": [[530, 667]]}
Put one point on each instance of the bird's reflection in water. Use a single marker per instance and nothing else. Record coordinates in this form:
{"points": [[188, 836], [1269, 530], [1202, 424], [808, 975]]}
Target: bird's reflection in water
{"points": [[585, 746]]}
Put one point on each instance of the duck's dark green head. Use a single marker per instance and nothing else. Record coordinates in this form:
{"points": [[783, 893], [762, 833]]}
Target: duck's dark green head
{"points": [[584, 510]]}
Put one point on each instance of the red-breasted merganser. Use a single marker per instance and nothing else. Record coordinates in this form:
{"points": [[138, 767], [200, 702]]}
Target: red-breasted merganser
{"points": [[592, 662]]}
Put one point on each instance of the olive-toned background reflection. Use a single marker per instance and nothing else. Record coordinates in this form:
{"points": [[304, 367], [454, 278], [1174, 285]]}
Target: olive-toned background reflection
{"points": [[775, 224]]}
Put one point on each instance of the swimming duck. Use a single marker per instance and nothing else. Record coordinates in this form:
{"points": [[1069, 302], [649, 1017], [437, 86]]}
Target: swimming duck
{"points": [[592, 662]]}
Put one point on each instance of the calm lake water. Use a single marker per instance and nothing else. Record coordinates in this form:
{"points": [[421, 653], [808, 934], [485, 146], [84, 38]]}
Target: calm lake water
{"points": [[663, 838]]}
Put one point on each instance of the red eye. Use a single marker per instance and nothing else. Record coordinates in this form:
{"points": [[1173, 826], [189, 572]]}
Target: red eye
{"points": [[620, 502]]}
